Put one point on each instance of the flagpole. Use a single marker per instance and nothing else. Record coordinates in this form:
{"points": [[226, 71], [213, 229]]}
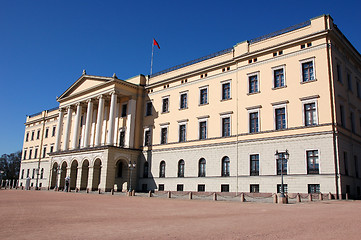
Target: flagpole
{"points": [[151, 61]]}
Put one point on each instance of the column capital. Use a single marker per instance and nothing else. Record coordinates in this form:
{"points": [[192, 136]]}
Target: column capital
{"points": [[112, 93], [61, 109], [89, 100], [100, 96]]}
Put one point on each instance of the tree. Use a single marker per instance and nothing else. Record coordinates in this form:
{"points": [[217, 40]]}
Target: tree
{"points": [[10, 164]]}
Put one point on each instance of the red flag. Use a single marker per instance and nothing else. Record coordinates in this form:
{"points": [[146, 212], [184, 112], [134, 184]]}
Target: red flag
{"points": [[155, 43]]}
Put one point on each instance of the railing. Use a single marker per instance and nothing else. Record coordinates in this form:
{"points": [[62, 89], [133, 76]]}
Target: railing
{"points": [[52, 109], [279, 32], [38, 113], [193, 62]]}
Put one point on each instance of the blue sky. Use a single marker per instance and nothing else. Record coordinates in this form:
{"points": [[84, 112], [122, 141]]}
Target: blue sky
{"points": [[45, 45]]}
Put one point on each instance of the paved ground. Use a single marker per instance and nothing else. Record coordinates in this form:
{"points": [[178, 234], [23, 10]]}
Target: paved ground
{"points": [[58, 215]]}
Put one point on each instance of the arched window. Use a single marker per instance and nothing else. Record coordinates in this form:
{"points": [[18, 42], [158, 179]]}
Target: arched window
{"points": [[181, 168], [120, 170], [145, 170], [225, 166], [42, 173], [202, 168], [162, 169]]}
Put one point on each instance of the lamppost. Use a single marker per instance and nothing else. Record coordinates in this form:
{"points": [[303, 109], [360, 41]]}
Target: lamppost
{"points": [[283, 157], [131, 166], [1, 178], [37, 178]]}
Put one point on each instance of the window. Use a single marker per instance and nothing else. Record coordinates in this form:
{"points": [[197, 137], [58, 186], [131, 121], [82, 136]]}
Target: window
{"points": [[162, 169], [147, 137], [345, 162], [312, 162], [165, 105], [342, 116], [310, 114], [352, 120], [226, 126], [202, 129], [145, 170], [121, 138], [203, 95], [120, 169], [313, 188], [224, 187], [225, 166], [44, 152], [180, 187], [149, 107], [164, 135], [24, 155], [285, 188], [278, 78], [51, 149], [202, 167], [358, 91], [254, 165], [27, 173], [253, 83], [161, 187], [201, 188], [253, 122], [281, 164], [30, 153], [42, 173], [32, 135], [339, 73], [226, 91], [38, 134], [182, 132], [53, 133], [254, 188], [307, 71], [183, 101], [33, 175], [356, 166], [36, 153], [280, 117], [27, 137], [124, 110], [349, 82], [22, 174], [181, 168], [46, 132]]}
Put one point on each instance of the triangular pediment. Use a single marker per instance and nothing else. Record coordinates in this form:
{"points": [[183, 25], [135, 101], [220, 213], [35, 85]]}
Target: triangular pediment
{"points": [[83, 84]]}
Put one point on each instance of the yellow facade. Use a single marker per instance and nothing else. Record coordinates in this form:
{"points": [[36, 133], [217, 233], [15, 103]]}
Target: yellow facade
{"points": [[214, 124]]}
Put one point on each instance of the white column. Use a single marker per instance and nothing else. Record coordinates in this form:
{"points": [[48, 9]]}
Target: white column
{"points": [[82, 130], [76, 127], [88, 123], [116, 124], [67, 129], [129, 134], [99, 121], [113, 103], [104, 129], [93, 128], [58, 130]]}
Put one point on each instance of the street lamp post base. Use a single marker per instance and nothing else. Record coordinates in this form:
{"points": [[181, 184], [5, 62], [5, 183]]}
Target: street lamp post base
{"points": [[282, 200]]}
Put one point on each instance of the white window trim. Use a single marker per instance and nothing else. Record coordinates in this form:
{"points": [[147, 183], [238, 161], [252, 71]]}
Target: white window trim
{"points": [[259, 117], [199, 95], [185, 124], [180, 99], [283, 105], [258, 82], [230, 89], [230, 124], [166, 138], [166, 97], [204, 119], [319, 159], [259, 162], [313, 100], [284, 76], [150, 136], [312, 59]]}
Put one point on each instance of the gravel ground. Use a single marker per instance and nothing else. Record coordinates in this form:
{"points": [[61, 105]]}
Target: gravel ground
{"points": [[59, 215]]}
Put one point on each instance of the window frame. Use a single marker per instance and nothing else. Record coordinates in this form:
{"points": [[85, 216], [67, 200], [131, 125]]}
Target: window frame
{"points": [[184, 123], [223, 83], [161, 134], [278, 171], [124, 110], [162, 169], [305, 102], [275, 108], [163, 105], [254, 188], [312, 171], [304, 61], [181, 170], [200, 103], [257, 110], [145, 143], [222, 125], [226, 166], [202, 120], [147, 114], [249, 75], [254, 173], [186, 100], [202, 171], [274, 69]]}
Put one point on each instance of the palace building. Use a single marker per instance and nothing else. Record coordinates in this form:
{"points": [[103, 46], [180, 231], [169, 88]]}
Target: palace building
{"points": [[213, 124]]}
